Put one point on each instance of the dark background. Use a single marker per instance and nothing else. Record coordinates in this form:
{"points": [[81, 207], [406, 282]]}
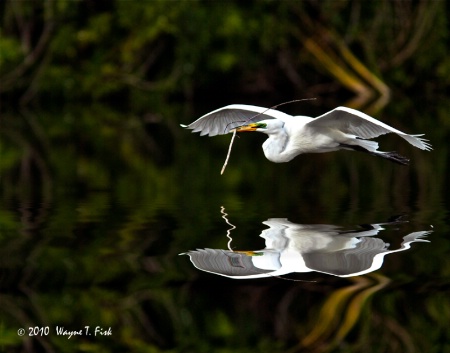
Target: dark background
{"points": [[101, 189]]}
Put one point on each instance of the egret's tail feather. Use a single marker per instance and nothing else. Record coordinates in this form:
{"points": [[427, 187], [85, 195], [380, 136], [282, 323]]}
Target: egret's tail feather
{"points": [[367, 145]]}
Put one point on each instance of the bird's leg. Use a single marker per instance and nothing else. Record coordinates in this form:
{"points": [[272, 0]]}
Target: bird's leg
{"points": [[392, 156]]}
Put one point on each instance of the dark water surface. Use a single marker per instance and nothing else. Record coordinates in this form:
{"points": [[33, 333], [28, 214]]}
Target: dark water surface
{"points": [[91, 236]]}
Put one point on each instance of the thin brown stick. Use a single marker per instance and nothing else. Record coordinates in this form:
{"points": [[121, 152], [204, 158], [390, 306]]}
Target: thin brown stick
{"points": [[229, 152]]}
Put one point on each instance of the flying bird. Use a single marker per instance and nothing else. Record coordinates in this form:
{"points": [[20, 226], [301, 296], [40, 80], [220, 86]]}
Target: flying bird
{"points": [[288, 136]]}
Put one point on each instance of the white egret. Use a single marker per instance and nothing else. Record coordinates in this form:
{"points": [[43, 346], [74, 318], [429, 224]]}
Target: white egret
{"points": [[289, 136], [292, 247]]}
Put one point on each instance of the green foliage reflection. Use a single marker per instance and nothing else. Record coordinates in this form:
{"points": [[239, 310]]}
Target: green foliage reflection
{"points": [[101, 189]]}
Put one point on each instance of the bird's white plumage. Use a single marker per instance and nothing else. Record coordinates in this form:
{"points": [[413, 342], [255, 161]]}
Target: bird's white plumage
{"points": [[289, 136], [221, 121], [362, 125]]}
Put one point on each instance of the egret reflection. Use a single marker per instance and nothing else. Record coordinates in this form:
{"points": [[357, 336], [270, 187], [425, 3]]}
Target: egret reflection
{"points": [[292, 247]]}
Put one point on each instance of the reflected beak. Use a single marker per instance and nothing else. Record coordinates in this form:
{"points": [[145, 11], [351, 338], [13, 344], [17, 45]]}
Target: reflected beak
{"points": [[249, 127], [249, 253]]}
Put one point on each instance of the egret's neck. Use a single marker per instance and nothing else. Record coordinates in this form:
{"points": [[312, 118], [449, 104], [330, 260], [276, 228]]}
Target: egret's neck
{"points": [[275, 146]]}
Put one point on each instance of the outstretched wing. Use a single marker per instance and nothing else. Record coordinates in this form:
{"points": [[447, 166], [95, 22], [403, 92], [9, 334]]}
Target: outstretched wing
{"points": [[354, 122], [223, 120]]}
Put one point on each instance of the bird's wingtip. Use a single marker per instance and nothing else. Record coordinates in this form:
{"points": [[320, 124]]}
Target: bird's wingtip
{"points": [[419, 142], [182, 125]]}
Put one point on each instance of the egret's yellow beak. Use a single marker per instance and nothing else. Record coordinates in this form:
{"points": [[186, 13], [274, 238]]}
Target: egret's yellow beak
{"points": [[249, 127]]}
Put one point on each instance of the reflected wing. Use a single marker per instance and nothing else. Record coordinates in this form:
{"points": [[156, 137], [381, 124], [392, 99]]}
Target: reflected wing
{"points": [[354, 122], [223, 120], [348, 262], [223, 262]]}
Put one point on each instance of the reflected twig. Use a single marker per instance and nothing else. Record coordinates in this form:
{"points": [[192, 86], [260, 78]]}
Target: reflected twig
{"points": [[224, 216]]}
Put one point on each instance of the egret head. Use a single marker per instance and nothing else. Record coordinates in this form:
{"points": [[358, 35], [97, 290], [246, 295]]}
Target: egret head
{"points": [[269, 126]]}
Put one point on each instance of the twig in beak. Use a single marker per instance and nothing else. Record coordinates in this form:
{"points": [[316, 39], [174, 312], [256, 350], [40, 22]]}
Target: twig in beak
{"points": [[229, 152]]}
